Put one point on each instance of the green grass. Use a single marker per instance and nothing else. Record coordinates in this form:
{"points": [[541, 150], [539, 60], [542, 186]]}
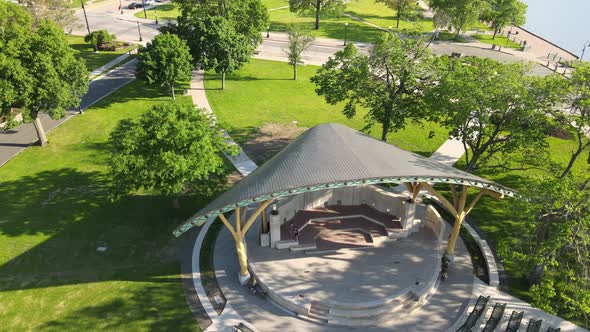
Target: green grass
{"points": [[385, 17], [447, 36], [334, 27], [272, 4], [167, 11], [264, 92], [94, 60], [56, 212], [500, 40]]}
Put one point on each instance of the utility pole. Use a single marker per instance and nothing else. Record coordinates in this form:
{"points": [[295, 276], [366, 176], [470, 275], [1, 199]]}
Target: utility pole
{"points": [[121, 7], [85, 17]]}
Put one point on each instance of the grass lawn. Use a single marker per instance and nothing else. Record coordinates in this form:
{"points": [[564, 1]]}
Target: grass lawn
{"points": [[55, 214], [385, 17], [165, 12], [264, 92], [94, 60], [500, 40], [272, 4], [334, 27]]}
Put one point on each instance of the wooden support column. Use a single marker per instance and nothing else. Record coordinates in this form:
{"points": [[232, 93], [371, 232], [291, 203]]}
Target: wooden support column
{"points": [[458, 209], [414, 189], [239, 232]]}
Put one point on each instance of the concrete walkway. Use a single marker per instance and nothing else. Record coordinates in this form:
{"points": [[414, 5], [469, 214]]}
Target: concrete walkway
{"points": [[16, 140], [241, 161], [109, 65]]}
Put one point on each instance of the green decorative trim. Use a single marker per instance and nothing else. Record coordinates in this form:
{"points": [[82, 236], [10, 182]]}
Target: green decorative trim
{"points": [[199, 220]]}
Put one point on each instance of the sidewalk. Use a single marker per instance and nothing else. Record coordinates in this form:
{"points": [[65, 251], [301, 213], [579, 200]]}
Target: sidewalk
{"points": [[241, 161], [16, 140]]}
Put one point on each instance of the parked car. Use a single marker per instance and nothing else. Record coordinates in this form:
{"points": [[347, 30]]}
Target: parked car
{"points": [[135, 5], [148, 2]]}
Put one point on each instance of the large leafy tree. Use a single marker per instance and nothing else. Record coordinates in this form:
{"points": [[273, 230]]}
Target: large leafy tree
{"points": [[299, 40], [389, 82], [569, 107], [15, 81], [38, 70], [247, 17], [456, 14], [165, 61], [171, 148], [502, 13], [317, 7], [491, 107], [554, 245], [403, 8], [60, 80], [222, 35]]}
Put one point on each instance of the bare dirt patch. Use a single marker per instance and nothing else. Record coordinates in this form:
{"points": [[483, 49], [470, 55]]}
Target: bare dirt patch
{"points": [[271, 138]]}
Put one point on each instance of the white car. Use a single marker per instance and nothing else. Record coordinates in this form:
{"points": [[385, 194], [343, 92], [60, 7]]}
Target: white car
{"points": [[148, 2]]}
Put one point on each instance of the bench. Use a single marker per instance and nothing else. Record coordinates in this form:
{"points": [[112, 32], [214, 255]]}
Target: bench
{"points": [[242, 328], [478, 309], [534, 325], [495, 318], [514, 322]]}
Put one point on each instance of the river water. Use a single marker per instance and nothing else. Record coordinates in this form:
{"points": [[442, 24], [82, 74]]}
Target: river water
{"points": [[563, 22]]}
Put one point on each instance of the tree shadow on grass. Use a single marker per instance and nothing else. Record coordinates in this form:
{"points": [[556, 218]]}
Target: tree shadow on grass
{"points": [[152, 308], [54, 221]]}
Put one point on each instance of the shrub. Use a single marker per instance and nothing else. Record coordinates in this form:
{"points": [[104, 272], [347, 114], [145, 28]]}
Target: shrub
{"points": [[99, 38]]}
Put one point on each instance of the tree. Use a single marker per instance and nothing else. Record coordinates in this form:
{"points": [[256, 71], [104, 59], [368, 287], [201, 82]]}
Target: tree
{"points": [[318, 7], [165, 61], [59, 79], [389, 82], [171, 148], [299, 40], [58, 11], [401, 7], [554, 243], [221, 35], [456, 14], [247, 17], [38, 70], [571, 112], [15, 81], [502, 13], [491, 108]]}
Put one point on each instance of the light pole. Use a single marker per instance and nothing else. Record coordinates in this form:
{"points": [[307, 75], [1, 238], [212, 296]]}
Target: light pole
{"points": [[345, 32], [156, 12], [85, 17], [144, 12], [268, 31], [121, 7], [586, 44], [139, 31]]}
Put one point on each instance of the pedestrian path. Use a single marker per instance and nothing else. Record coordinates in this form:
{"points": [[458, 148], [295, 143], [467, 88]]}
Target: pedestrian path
{"points": [[109, 65], [16, 140], [241, 161]]}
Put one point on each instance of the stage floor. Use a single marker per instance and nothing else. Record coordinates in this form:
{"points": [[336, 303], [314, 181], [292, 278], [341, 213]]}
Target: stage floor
{"points": [[348, 275]]}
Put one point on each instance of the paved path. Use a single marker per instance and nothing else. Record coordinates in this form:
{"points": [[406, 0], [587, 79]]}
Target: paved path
{"points": [[241, 161], [14, 141], [109, 65]]}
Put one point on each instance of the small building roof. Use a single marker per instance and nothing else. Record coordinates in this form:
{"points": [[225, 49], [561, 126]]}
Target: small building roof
{"points": [[330, 156]]}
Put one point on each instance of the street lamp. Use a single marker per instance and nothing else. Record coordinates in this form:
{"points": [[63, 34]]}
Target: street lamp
{"points": [[268, 31], [156, 12], [85, 17], [144, 12], [345, 32], [586, 44], [139, 31], [121, 7]]}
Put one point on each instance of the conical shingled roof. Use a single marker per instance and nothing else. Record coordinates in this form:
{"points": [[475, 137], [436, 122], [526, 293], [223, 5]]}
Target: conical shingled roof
{"points": [[330, 155]]}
